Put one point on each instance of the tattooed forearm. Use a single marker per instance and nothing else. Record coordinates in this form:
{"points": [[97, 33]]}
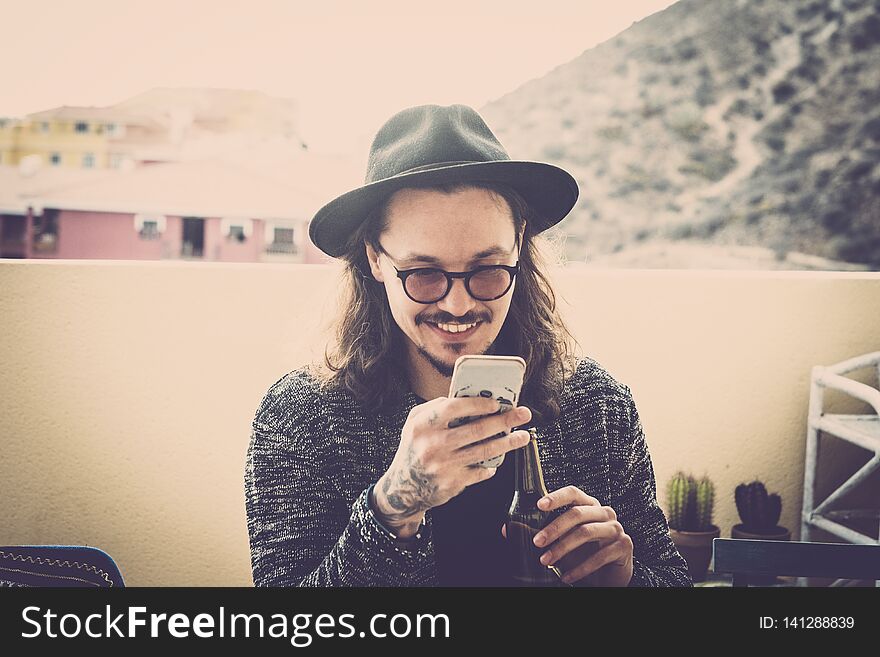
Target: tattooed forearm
{"points": [[408, 492]]}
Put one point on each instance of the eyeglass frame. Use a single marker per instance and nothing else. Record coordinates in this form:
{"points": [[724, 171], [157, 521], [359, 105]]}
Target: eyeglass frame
{"points": [[403, 274]]}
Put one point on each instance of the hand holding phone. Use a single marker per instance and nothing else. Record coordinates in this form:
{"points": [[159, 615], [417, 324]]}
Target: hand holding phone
{"points": [[495, 377], [435, 462]]}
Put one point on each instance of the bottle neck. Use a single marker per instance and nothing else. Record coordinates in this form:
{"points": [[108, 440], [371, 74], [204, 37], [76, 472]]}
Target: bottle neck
{"points": [[529, 476]]}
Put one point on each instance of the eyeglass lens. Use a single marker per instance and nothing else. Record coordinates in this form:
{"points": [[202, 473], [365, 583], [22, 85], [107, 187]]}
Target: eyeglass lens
{"points": [[430, 285]]}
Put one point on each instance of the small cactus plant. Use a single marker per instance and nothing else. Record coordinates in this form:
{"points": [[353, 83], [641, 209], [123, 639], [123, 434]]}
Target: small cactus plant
{"points": [[690, 503], [758, 511], [705, 503]]}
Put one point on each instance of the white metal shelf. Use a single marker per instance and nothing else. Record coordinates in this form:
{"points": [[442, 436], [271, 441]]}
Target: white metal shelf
{"points": [[860, 429]]}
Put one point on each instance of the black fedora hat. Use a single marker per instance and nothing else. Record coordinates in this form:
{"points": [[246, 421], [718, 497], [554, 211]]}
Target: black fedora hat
{"points": [[440, 144]]}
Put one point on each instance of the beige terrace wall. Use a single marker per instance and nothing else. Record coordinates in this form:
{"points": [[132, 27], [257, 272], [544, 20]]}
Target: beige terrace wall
{"points": [[128, 389]]}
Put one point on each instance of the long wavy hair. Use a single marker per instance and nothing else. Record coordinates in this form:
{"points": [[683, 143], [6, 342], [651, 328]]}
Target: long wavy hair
{"points": [[367, 356]]}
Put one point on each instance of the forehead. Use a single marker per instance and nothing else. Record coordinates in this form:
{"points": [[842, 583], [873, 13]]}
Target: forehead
{"points": [[447, 228]]}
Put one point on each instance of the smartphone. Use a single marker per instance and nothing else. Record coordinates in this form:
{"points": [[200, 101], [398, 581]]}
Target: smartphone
{"points": [[498, 377]]}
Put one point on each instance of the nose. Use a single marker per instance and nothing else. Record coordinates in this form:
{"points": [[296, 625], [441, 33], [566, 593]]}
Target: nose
{"points": [[458, 302]]}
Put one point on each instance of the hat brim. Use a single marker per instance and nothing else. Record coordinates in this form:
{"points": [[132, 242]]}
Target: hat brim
{"points": [[550, 190]]}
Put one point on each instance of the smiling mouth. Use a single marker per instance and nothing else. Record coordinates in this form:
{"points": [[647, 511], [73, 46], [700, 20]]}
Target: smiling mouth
{"points": [[453, 331]]}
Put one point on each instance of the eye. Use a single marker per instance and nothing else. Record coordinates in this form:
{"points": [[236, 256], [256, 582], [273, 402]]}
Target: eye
{"points": [[428, 277]]}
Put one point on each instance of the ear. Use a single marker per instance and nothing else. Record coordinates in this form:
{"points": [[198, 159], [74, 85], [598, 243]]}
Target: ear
{"points": [[373, 260]]}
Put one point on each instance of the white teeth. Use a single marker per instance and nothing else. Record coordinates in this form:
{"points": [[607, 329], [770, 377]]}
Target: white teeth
{"points": [[455, 328]]}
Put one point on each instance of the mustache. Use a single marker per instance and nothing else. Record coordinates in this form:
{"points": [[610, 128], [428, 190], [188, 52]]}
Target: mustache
{"points": [[451, 320]]}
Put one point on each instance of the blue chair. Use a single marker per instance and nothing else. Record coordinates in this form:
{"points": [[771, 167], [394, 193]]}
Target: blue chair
{"points": [[57, 565], [747, 559]]}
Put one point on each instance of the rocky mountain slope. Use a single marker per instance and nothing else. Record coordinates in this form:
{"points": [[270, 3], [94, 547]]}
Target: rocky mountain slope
{"points": [[728, 122]]}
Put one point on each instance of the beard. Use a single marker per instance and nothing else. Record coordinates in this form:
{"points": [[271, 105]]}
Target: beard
{"points": [[443, 368]]}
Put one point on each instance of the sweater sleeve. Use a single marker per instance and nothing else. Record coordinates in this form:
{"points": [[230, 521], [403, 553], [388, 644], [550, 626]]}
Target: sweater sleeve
{"points": [[301, 531], [656, 561]]}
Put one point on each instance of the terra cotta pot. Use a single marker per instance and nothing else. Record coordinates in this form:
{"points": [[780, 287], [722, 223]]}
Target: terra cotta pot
{"points": [[696, 548], [777, 534]]}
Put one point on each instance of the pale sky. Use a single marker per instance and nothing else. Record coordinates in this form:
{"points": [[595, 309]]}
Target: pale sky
{"points": [[349, 64]]}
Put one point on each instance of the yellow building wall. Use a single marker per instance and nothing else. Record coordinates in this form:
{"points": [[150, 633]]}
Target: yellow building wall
{"points": [[129, 389], [8, 142], [29, 138]]}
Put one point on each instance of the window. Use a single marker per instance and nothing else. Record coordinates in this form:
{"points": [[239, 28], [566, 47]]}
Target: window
{"points": [[88, 160], [81, 126], [150, 231], [55, 159], [280, 238], [115, 160], [236, 229], [149, 226], [44, 126]]}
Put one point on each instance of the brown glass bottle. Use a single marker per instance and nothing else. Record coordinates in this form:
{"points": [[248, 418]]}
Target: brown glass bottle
{"points": [[525, 519]]}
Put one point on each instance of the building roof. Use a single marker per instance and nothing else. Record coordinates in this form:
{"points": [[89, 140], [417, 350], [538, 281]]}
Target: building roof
{"points": [[17, 188], [219, 110], [291, 187], [103, 114]]}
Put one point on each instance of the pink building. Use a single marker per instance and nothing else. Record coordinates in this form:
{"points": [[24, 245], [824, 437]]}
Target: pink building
{"points": [[207, 210]]}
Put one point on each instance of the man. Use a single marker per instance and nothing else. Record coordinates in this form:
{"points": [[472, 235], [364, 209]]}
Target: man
{"points": [[353, 475]]}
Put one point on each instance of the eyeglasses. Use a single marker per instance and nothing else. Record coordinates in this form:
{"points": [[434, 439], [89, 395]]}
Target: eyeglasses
{"points": [[430, 285]]}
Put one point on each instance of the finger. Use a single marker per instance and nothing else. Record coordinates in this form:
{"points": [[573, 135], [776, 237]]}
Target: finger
{"points": [[518, 415], [576, 515], [566, 495], [491, 448], [446, 412], [481, 474], [489, 427], [608, 554], [593, 532], [455, 411], [504, 530]]}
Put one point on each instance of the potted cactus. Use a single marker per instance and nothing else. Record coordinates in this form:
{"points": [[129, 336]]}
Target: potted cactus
{"points": [[759, 513], [690, 504]]}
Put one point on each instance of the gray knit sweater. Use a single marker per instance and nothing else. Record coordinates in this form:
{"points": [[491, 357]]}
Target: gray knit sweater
{"points": [[314, 453]]}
